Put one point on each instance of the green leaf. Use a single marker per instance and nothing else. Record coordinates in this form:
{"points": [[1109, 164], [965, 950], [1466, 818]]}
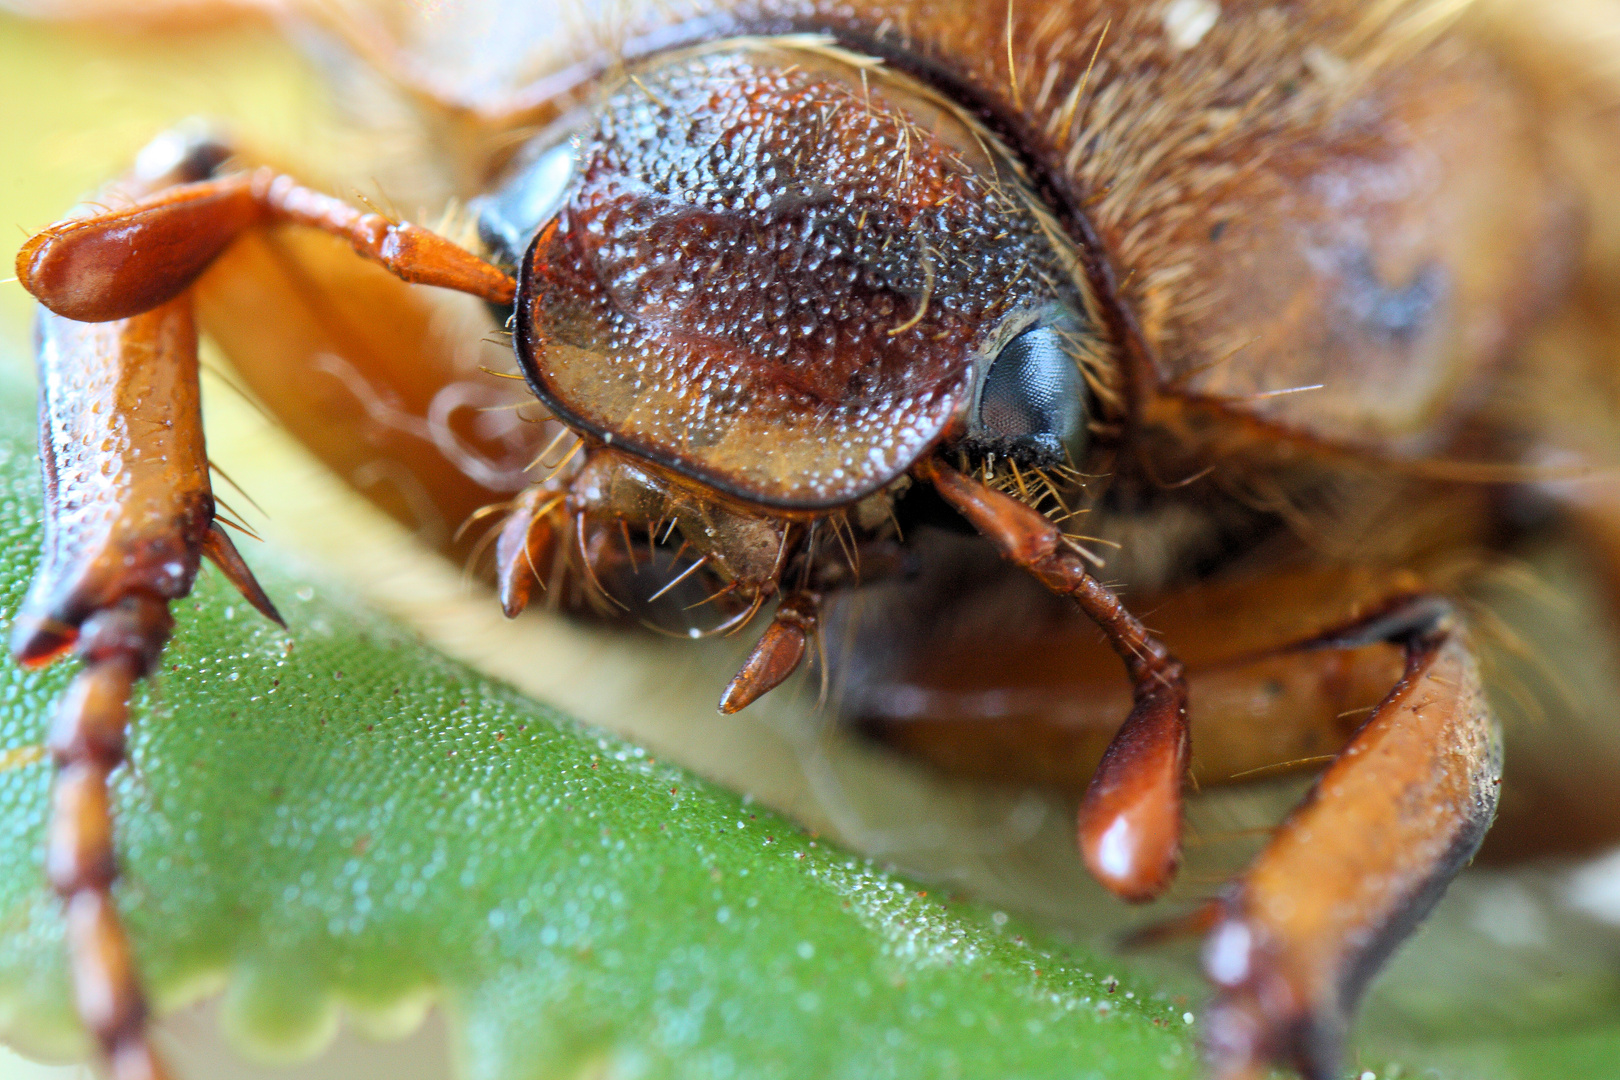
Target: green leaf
{"points": [[338, 815]]}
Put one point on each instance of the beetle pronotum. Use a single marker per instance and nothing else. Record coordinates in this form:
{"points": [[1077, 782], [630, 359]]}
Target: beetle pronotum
{"points": [[799, 279]]}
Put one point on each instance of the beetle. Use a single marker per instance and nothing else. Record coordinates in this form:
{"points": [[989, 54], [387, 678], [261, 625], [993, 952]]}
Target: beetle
{"points": [[798, 284]]}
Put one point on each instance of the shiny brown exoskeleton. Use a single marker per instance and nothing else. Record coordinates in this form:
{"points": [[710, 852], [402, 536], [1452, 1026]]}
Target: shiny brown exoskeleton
{"points": [[799, 281]]}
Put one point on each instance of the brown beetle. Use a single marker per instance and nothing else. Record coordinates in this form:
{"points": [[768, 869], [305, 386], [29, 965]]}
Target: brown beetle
{"points": [[799, 282]]}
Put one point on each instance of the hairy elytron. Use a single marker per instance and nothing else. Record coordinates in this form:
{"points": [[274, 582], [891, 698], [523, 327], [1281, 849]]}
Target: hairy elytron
{"points": [[803, 282]]}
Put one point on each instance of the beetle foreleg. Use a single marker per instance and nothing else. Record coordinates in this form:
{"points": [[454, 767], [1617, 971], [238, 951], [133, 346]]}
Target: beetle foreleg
{"points": [[128, 517], [1130, 819], [1364, 858], [119, 646], [122, 262]]}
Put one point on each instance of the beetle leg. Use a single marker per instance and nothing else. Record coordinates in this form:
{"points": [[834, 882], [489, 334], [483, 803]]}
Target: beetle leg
{"points": [[379, 379], [1265, 714], [1362, 860], [217, 545], [777, 655], [119, 645], [1130, 818], [352, 349], [129, 260], [128, 516], [128, 507]]}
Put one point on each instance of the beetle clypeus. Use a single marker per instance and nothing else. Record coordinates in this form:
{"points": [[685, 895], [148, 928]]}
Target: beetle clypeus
{"points": [[796, 282]]}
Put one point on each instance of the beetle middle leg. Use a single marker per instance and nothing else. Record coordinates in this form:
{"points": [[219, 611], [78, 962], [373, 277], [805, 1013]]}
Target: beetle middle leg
{"points": [[1037, 703], [1363, 859]]}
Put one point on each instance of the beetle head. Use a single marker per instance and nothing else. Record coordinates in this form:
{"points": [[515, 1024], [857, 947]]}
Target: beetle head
{"points": [[780, 274], [784, 273]]}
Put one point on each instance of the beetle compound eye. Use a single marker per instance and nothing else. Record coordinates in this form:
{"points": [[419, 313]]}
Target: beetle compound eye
{"points": [[509, 217], [1031, 403]]}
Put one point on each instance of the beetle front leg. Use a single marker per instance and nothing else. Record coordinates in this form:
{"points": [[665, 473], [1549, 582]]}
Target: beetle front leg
{"points": [[1130, 818], [129, 260], [1362, 860], [128, 517], [119, 646]]}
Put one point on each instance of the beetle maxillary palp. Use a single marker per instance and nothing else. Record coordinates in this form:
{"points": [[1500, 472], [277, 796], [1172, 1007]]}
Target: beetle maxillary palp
{"points": [[527, 542], [778, 654], [610, 494], [1130, 819]]}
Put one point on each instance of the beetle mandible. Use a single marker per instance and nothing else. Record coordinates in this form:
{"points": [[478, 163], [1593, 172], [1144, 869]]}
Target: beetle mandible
{"points": [[796, 280]]}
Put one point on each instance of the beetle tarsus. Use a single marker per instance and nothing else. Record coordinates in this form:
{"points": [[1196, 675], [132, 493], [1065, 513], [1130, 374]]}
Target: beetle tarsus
{"points": [[119, 646]]}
